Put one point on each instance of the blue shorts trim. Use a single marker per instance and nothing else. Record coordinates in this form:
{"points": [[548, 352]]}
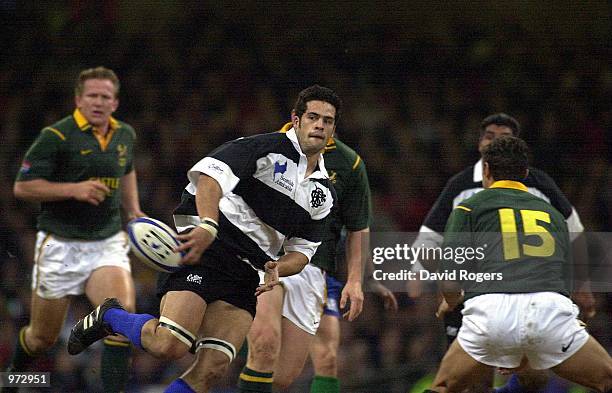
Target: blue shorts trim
{"points": [[334, 290]]}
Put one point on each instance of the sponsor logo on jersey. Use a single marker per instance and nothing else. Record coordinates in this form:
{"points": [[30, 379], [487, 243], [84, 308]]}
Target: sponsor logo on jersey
{"points": [[85, 152], [279, 168], [215, 168], [282, 181], [195, 278]]}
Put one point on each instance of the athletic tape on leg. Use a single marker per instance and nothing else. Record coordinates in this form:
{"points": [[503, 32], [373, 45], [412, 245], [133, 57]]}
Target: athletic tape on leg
{"points": [[178, 331], [217, 344]]}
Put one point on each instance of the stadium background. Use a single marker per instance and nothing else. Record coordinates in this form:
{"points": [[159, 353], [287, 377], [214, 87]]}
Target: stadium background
{"points": [[416, 80]]}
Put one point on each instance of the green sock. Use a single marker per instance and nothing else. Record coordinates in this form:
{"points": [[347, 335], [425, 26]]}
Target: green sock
{"points": [[322, 384], [114, 371], [22, 357], [252, 381]]}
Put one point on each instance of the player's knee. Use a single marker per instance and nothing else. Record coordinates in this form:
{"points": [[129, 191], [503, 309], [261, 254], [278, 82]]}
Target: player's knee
{"points": [[325, 361], [212, 368], [264, 345], [168, 347]]}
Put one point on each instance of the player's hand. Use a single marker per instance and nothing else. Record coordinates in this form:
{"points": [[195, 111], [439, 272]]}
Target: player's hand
{"points": [[443, 309], [270, 278], [352, 291], [196, 241], [414, 288], [130, 215], [93, 192], [390, 301], [586, 302]]}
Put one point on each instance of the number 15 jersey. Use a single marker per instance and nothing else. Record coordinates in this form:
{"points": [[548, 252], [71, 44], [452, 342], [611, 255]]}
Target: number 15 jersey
{"points": [[518, 238]]}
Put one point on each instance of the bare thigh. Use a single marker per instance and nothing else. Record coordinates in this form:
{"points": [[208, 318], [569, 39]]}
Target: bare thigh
{"points": [[46, 321], [459, 371], [591, 366]]}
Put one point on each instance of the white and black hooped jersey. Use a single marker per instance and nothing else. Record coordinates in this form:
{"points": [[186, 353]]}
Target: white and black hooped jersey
{"points": [[469, 181], [268, 204]]}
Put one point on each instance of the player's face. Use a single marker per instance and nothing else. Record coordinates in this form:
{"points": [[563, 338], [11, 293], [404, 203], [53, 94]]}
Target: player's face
{"points": [[315, 126], [97, 101], [492, 132]]}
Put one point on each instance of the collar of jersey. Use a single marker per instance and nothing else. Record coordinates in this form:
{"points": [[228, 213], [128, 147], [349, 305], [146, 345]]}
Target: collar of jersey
{"points": [[84, 125], [322, 172], [478, 171], [515, 185]]}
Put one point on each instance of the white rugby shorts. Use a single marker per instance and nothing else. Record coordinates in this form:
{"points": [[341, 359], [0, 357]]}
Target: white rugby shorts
{"points": [[62, 266], [304, 298], [499, 329]]}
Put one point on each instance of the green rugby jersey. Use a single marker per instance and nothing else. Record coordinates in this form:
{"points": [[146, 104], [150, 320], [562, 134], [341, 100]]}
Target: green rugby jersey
{"points": [[523, 238], [347, 173], [70, 151]]}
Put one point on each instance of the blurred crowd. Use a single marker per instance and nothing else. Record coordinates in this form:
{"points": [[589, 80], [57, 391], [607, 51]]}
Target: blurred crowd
{"points": [[192, 80]]}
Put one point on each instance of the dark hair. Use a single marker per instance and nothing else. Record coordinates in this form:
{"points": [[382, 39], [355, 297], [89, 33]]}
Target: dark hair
{"points": [[501, 119], [507, 157], [317, 93], [96, 73]]}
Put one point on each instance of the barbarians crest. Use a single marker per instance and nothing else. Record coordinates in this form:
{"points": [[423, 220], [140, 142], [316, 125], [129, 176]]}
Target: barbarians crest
{"points": [[317, 197]]}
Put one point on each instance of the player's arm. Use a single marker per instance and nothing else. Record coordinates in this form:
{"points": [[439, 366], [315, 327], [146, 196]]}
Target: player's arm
{"points": [[457, 227], [208, 195], [34, 180], [431, 233], [581, 294], [41, 190], [129, 196], [356, 241]]}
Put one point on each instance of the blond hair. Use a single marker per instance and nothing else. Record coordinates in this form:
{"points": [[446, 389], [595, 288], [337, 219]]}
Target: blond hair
{"points": [[96, 73]]}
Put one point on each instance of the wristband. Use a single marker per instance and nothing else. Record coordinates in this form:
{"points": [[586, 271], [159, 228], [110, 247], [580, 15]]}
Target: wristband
{"points": [[209, 225]]}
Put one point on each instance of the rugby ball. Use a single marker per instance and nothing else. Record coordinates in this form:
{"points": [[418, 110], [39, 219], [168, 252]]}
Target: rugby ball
{"points": [[153, 243]]}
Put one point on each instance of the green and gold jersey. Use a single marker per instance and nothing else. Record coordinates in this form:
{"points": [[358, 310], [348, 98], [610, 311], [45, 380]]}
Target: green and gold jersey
{"points": [[71, 151], [347, 173], [518, 243]]}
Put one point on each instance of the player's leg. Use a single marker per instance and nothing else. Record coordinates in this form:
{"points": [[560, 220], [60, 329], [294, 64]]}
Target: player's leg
{"points": [[50, 300], [295, 344], [302, 311], [110, 277], [459, 371], [324, 355], [106, 282], [217, 347], [168, 338], [46, 320], [324, 348], [590, 366], [452, 325], [264, 340]]}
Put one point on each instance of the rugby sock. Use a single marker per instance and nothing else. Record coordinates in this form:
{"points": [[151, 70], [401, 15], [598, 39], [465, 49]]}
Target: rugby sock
{"points": [[22, 357], [179, 386], [127, 324], [321, 384], [513, 386], [252, 381], [114, 370]]}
